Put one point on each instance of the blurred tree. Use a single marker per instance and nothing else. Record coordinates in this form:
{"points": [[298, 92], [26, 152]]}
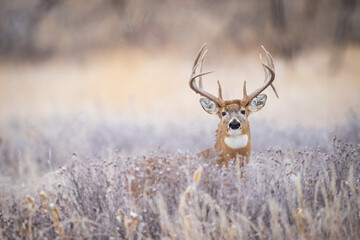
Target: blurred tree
{"points": [[344, 23], [344, 26], [311, 8], [35, 28], [280, 26], [18, 25]]}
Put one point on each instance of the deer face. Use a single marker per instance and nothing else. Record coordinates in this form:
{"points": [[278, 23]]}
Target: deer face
{"points": [[234, 114]]}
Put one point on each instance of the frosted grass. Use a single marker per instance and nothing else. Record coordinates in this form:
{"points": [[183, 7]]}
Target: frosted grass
{"points": [[82, 179]]}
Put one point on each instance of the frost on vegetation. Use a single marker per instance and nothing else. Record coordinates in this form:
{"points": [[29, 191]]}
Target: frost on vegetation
{"points": [[304, 187]]}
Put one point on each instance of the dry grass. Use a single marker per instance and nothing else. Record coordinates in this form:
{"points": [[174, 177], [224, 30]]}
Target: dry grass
{"points": [[306, 190]]}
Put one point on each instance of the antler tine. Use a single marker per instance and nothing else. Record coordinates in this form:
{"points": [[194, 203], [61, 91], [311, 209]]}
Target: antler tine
{"points": [[269, 78], [270, 62], [220, 91], [195, 65], [201, 66], [199, 89], [244, 90]]}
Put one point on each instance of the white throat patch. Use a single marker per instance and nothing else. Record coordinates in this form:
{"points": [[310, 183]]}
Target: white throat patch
{"points": [[236, 142]]}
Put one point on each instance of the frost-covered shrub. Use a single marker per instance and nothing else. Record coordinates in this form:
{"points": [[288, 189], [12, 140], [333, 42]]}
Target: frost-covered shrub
{"points": [[303, 187]]}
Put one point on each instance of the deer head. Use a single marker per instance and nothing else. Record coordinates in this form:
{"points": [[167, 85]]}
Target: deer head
{"points": [[233, 133]]}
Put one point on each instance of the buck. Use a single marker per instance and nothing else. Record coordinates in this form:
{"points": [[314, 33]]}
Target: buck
{"points": [[233, 138]]}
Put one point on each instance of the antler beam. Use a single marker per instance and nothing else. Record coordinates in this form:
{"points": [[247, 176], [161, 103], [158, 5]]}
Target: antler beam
{"points": [[269, 70], [199, 89]]}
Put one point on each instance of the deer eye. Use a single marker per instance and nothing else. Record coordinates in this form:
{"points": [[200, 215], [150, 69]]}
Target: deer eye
{"points": [[242, 111], [223, 113]]}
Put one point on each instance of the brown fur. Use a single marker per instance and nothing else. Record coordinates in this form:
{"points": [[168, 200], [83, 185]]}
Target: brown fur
{"points": [[233, 122], [221, 150]]}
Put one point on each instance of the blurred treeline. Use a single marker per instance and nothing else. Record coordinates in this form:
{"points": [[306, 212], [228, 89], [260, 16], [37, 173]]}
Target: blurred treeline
{"points": [[40, 28]]}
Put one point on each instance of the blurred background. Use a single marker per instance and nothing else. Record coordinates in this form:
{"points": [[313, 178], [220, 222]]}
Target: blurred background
{"points": [[133, 58]]}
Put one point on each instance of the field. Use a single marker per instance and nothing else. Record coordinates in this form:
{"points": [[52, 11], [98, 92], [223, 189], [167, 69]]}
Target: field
{"points": [[100, 132], [79, 138]]}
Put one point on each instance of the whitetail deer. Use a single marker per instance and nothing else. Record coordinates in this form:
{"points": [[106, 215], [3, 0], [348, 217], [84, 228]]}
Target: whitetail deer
{"points": [[233, 137]]}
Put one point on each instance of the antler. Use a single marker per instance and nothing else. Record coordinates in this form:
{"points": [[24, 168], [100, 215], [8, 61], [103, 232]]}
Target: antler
{"points": [[199, 89], [269, 70]]}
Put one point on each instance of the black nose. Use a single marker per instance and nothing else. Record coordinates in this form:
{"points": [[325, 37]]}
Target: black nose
{"points": [[234, 125]]}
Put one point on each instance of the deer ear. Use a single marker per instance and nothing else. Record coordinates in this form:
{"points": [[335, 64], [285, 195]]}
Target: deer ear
{"points": [[208, 105], [258, 103]]}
